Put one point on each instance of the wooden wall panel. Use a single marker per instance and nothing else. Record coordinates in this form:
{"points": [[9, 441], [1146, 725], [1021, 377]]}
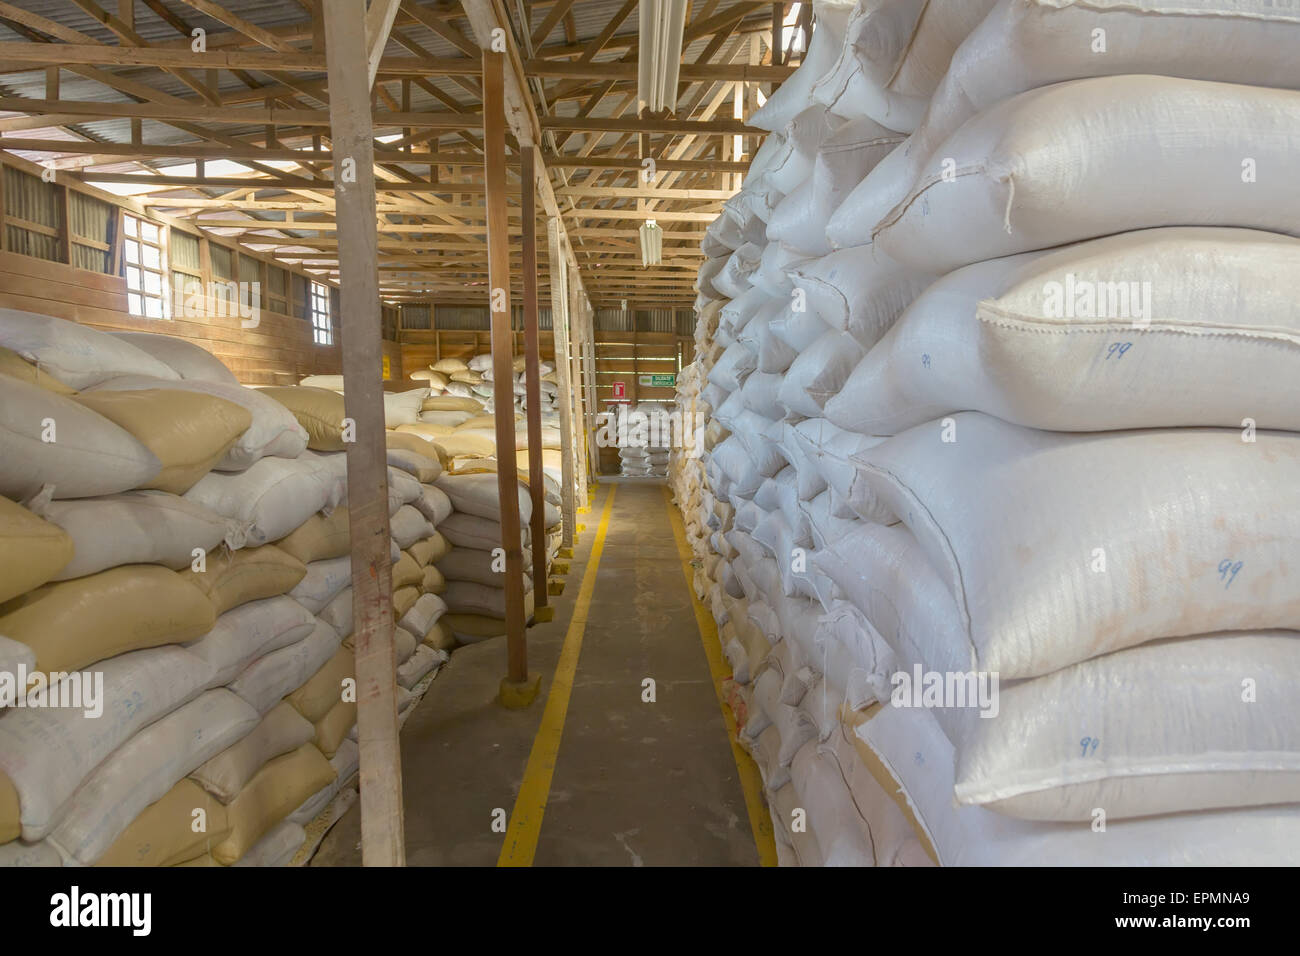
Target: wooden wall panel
{"points": [[278, 351]]}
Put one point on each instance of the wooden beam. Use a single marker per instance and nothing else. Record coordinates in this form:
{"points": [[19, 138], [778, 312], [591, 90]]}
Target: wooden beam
{"points": [[557, 14], [252, 116], [379, 23], [199, 150], [563, 370], [289, 182], [165, 56], [494, 148], [633, 163], [596, 124], [382, 822], [690, 72], [250, 30], [643, 192], [532, 386]]}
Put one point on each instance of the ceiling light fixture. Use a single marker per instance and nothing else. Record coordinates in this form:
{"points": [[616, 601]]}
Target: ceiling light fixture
{"points": [[652, 243], [660, 54]]}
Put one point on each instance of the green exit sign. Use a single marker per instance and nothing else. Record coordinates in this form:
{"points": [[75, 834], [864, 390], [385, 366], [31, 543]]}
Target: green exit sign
{"points": [[657, 381]]}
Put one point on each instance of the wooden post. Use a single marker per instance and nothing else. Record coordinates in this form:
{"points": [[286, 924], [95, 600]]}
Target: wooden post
{"points": [[589, 347], [578, 336], [563, 369], [533, 382], [382, 838], [514, 688]]}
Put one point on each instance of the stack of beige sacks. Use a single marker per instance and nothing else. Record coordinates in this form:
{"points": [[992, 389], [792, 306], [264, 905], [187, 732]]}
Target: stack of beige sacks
{"points": [[183, 539], [473, 379], [453, 418], [881, 275], [459, 423]]}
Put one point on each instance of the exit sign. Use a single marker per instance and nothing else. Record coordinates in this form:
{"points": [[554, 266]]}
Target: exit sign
{"points": [[658, 381]]}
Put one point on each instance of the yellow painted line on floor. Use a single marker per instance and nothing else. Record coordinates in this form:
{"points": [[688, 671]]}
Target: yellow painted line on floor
{"points": [[530, 805], [751, 782]]}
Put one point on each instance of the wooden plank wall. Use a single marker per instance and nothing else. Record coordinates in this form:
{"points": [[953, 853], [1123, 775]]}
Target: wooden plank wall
{"points": [[279, 351]]}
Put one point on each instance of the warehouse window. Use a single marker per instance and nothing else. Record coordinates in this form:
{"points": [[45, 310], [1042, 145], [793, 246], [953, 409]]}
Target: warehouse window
{"points": [[321, 329], [145, 262]]}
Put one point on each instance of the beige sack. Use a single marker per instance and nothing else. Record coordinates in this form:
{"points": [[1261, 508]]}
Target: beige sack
{"points": [[427, 431], [318, 410], [470, 443], [435, 379], [324, 689], [406, 572], [32, 550], [433, 581], [319, 538], [11, 826], [429, 550], [13, 364], [233, 578], [282, 729], [333, 728], [163, 835], [404, 599], [273, 793], [411, 441], [189, 432], [452, 403], [449, 366], [72, 624], [439, 638]]}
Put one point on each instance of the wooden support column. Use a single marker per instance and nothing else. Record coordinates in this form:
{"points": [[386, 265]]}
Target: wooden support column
{"points": [[581, 437], [382, 838], [563, 370], [533, 384], [516, 688], [589, 359]]}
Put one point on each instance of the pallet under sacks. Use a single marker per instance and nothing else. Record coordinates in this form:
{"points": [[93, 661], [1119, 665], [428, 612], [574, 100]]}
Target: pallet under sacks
{"points": [[213, 563], [942, 453]]}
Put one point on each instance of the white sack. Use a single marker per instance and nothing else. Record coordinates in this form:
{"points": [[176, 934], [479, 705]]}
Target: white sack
{"points": [[138, 527], [281, 672], [250, 631], [324, 580], [1200, 532], [87, 455], [144, 768], [1162, 728], [1216, 342], [911, 746], [1161, 152], [47, 753], [75, 354], [273, 496], [187, 359]]}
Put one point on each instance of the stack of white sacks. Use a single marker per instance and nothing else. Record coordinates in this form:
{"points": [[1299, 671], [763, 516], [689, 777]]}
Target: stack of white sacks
{"points": [[1001, 342], [174, 562], [638, 458]]}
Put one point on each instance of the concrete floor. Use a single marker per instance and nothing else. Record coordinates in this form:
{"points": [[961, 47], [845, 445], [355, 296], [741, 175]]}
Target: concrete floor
{"points": [[635, 783]]}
